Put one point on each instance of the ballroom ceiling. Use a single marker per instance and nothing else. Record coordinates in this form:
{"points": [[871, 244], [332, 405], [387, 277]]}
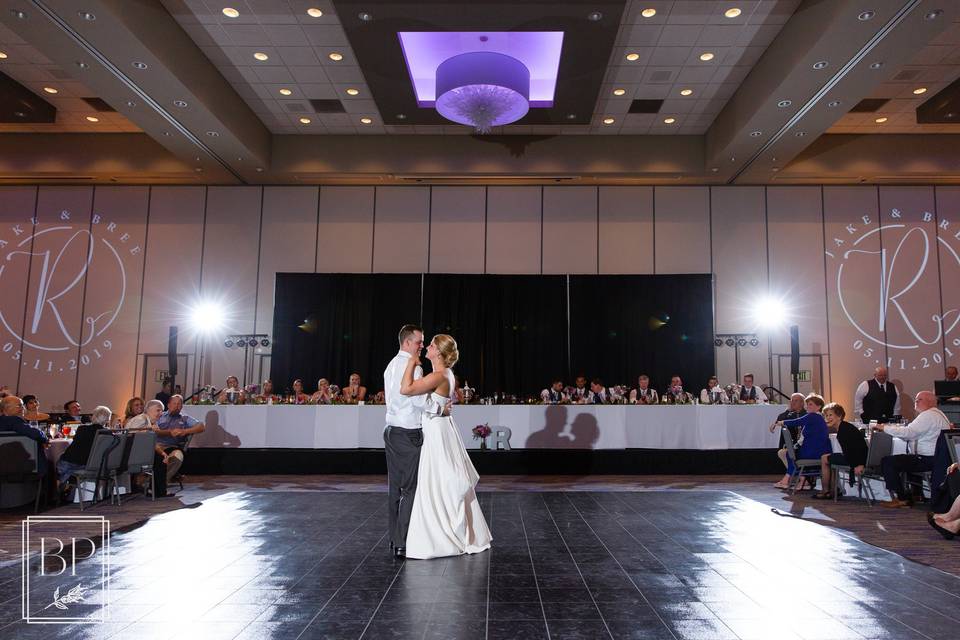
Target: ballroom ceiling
{"points": [[648, 91]]}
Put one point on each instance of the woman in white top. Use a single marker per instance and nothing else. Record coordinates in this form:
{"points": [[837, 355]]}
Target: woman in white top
{"points": [[446, 519]]}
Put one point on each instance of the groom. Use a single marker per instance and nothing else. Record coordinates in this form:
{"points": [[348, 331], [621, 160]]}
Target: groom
{"points": [[402, 437]]}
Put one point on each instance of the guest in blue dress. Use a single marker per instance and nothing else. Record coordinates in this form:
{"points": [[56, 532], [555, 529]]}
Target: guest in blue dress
{"points": [[814, 437]]}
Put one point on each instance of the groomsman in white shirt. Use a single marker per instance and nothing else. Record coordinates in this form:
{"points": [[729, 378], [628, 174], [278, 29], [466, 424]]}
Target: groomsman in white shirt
{"points": [[643, 394], [750, 394], [580, 393], [598, 392], [713, 393], [554, 394]]}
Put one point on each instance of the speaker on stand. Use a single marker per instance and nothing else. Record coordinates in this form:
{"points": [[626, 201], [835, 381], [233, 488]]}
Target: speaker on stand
{"points": [[795, 355]]}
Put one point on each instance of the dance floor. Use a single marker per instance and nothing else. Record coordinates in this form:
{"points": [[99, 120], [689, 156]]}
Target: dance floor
{"points": [[649, 564]]}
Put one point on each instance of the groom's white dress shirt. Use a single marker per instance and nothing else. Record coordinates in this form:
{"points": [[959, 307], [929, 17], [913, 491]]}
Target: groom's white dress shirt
{"points": [[402, 411]]}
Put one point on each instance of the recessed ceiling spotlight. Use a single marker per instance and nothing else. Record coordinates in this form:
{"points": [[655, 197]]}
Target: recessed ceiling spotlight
{"points": [[83, 65], [180, 103], [353, 92], [166, 133], [715, 169], [732, 12], [3, 56], [686, 92], [366, 121], [92, 119], [571, 116], [784, 103], [800, 134], [706, 56], [594, 16], [259, 169], [401, 116], [136, 65], [285, 92], [648, 13], [833, 103], [876, 65], [20, 15], [198, 169], [86, 15], [336, 56], [756, 134], [619, 92], [261, 56], [213, 134], [774, 169], [20, 114], [313, 12], [866, 15], [230, 12], [820, 65], [609, 120], [669, 120], [50, 90], [933, 15], [365, 17], [881, 120], [633, 57], [919, 90], [304, 120], [131, 103]]}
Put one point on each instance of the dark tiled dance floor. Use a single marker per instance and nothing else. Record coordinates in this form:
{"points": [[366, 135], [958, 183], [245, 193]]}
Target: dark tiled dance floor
{"points": [[645, 565]]}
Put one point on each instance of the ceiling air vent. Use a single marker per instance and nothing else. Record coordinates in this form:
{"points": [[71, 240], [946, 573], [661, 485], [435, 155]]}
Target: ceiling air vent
{"points": [[327, 106], [661, 76], [98, 104], [646, 106], [907, 74], [869, 105], [296, 107]]}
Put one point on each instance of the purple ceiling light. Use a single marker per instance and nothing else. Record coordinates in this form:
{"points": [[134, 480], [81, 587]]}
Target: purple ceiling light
{"points": [[483, 90]]}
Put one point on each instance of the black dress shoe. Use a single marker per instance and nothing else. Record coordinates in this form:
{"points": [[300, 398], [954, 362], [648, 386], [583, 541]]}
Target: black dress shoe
{"points": [[400, 552]]}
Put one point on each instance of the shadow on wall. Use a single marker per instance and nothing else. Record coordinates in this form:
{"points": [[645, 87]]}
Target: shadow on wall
{"points": [[214, 434], [583, 433], [907, 408]]}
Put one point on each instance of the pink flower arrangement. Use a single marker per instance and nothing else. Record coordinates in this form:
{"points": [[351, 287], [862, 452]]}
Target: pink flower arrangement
{"points": [[481, 431]]}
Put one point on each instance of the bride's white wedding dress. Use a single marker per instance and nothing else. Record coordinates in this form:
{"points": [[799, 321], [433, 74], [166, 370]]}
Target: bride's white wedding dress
{"points": [[446, 518]]}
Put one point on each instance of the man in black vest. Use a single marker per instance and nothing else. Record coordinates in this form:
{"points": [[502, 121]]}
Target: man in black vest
{"points": [[877, 399]]}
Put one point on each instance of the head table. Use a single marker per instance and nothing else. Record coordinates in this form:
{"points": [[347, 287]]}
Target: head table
{"points": [[532, 426]]}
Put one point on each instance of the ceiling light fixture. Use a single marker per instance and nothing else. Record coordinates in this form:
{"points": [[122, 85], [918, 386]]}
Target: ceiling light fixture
{"points": [[933, 15], [866, 15], [619, 92], [833, 103], [304, 120], [876, 65], [180, 103], [261, 56], [131, 103], [366, 121], [881, 120], [335, 56], [365, 17], [756, 134], [401, 116], [648, 13], [594, 16], [3, 56], [313, 12], [136, 65], [20, 15], [732, 12], [230, 12], [20, 114], [820, 65], [609, 120], [633, 57], [50, 90], [784, 103], [686, 92], [919, 91], [213, 134], [706, 56], [353, 92], [83, 65], [571, 116], [285, 92], [715, 169], [92, 119], [800, 134], [86, 15], [259, 169], [669, 120]]}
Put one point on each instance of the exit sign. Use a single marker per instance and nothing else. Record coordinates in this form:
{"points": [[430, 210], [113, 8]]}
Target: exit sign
{"points": [[803, 375]]}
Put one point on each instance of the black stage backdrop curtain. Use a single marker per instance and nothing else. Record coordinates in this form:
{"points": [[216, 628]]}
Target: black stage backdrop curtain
{"points": [[511, 330], [330, 325], [623, 326]]}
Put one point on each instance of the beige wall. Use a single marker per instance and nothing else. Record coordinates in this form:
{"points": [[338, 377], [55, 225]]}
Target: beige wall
{"points": [[861, 267]]}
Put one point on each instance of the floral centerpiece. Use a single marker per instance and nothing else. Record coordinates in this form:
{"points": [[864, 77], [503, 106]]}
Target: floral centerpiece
{"points": [[480, 432]]}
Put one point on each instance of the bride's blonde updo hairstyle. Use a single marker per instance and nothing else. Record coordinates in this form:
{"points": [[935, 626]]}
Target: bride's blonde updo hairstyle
{"points": [[447, 347]]}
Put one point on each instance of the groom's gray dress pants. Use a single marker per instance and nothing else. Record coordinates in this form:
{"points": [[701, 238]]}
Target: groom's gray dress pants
{"points": [[403, 461]]}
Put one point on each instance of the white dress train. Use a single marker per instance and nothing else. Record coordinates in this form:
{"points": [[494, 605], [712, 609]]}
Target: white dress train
{"points": [[446, 518]]}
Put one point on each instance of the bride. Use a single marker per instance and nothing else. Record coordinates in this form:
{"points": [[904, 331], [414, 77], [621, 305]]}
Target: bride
{"points": [[446, 518]]}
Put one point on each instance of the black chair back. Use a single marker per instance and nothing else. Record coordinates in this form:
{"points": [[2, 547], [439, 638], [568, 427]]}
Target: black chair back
{"points": [[19, 455]]}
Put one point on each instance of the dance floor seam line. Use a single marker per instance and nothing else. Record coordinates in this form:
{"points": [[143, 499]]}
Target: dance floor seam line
{"points": [[533, 567]]}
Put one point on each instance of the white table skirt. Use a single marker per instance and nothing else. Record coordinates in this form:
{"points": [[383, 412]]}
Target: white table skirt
{"points": [[532, 426]]}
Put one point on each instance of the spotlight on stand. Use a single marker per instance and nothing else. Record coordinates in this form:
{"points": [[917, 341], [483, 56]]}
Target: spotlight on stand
{"points": [[228, 343], [730, 342], [770, 312], [264, 342], [741, 342], [718, 342], [754, 342], [206, 317]]}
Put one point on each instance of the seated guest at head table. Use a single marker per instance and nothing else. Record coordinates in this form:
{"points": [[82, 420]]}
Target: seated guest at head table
{"points": [[353, 392], [813, 440], [232, 393], [750, 394], [75, 456], [598, 393], [795, 410], [33, 413], [580, 392], [852, 443], [644, 394], [324, 393], [554, 393], [267, 395], [12, 420], [378, 397], [675, 393], [299, 397], [713, 392]]}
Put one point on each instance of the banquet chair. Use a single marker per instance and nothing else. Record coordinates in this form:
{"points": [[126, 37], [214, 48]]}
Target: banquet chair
{"points": [[802, 468], [104, 442], [140, 460], [179, 476], [879, 447], [952, 439], [20, 462]]}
